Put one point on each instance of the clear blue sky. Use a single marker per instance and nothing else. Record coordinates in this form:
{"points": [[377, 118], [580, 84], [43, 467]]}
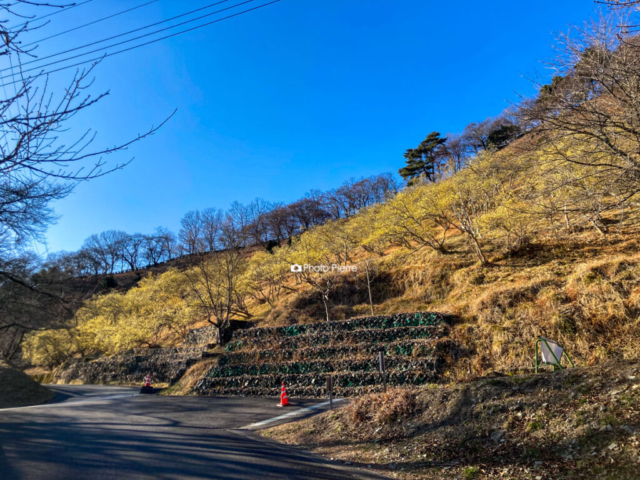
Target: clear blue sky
{"points": [[300, 95]]}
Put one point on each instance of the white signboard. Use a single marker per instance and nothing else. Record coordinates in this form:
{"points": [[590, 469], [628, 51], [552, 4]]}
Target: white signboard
{"points": [[547, 347]]}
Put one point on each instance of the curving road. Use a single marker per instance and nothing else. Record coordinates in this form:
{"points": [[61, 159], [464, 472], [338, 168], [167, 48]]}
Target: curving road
{"points": [[95, 432]]}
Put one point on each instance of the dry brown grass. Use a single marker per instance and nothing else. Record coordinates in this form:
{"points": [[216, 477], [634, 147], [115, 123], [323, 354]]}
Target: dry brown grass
{"points": [[19, 390], [580, 289], [186, 384], [382, 408], [511, 427]]}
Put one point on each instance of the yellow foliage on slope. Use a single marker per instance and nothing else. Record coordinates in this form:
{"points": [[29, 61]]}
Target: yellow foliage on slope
{"points": [[519, 244]]}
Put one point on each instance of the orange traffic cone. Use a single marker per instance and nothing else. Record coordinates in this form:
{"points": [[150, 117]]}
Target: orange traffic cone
{"points": [[283, 397], [147, 385]]}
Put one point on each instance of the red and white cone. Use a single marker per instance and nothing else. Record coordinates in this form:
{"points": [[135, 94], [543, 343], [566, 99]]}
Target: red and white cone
{"points": [[147, 385], [284, 401]]}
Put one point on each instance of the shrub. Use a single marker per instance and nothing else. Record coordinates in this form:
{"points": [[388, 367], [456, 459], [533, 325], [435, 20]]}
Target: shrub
{"points": [[383, 408], [471, 472]]}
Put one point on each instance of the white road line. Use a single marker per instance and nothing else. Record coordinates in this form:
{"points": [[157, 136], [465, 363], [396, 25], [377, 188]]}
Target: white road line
{"points": [[295, 413]]}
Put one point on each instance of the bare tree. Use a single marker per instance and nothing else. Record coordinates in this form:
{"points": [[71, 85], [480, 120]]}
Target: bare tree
{"points": [[257, 228], [152, 249], [476, 135], [169, 243], [457, 150], [593, 104], [212, 221], [371, 272], [324, 283], [620, 3], [110, 245], [215, 282], [309, 211], [36, 168], [280, 223], [191, 232], [94, 248], [131, 249], [237, 221]]}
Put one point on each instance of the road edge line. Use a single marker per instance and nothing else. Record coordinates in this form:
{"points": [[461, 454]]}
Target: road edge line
{"points": [[295, 413]]}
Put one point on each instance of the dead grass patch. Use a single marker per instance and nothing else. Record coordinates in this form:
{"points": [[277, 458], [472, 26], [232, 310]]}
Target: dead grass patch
{"points": [[192, 376], [19, 390]]}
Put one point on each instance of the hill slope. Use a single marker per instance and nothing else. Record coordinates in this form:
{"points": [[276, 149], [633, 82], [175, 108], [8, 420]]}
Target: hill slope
{"points": [[578, 423], [19, 390]]}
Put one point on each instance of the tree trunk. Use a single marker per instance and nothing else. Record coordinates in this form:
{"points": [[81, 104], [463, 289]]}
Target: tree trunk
{"points": [[369, 289], [326, 305], [479, 252], [566, 217], [602, 230]]}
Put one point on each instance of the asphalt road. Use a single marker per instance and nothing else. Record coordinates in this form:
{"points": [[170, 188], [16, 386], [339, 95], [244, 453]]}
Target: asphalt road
{"points": [[97, 433]]}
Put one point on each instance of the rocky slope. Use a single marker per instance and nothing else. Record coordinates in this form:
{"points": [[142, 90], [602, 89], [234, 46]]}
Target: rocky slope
{"points": [[164, 365]]}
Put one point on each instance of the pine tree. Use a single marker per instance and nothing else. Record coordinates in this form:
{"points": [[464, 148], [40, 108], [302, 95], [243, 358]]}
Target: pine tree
{"points": [[423, 160]]}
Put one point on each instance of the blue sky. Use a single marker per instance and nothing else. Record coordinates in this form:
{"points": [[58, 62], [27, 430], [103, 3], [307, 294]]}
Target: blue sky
{"points": [[300, 95]]}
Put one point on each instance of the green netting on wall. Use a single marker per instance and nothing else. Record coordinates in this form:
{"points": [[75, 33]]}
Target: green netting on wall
{"points": [[322, 366], [269, 384], [381, 321], [400, 347], [373, 336]]}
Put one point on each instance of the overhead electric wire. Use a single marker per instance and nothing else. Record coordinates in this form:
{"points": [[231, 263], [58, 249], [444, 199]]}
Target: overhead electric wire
{"points": [[125, 33], [37, 19], [125, 41], [150, 42], [90, 23]]}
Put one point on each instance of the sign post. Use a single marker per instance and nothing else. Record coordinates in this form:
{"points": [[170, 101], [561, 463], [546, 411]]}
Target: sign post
{"points": [[381, 367], [330, 390], [550, 353]]}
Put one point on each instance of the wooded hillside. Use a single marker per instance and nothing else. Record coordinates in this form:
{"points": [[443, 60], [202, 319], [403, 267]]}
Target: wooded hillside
{"points": [[521, 226]]}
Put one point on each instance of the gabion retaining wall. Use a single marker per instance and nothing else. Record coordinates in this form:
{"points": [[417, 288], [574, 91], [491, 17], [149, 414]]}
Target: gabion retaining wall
{"points": [[311, 385], [340, 337], [163, 352], [165, 365], [401, 347], [259, 360], [419, 319], [323, 366], [204, 335], [210, 335]]}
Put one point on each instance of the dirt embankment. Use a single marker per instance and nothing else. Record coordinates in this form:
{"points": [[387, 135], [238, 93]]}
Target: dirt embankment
{"points": [[577, 423], [17, 389]]}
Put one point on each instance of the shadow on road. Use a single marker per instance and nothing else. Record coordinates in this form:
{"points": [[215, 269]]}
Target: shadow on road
{"points": [[147, 437]]}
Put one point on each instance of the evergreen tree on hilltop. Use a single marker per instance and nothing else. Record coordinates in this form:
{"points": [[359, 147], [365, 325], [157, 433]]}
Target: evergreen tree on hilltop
{"points": [[423, 161]]}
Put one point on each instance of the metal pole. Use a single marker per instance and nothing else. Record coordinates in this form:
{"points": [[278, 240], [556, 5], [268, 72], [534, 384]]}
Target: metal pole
{"points": [[330, 390], [381, 367]]}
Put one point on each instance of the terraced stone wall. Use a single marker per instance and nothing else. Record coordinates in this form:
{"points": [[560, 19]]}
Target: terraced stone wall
{"points": [[165, 365], [210, 335], [259, 360]]}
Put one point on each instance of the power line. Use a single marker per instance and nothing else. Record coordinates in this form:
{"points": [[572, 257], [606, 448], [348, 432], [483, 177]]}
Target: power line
{"points": [[123, 42], [120, 43], [65, 9], [90, 23], [148, 43], [124, 34]]}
